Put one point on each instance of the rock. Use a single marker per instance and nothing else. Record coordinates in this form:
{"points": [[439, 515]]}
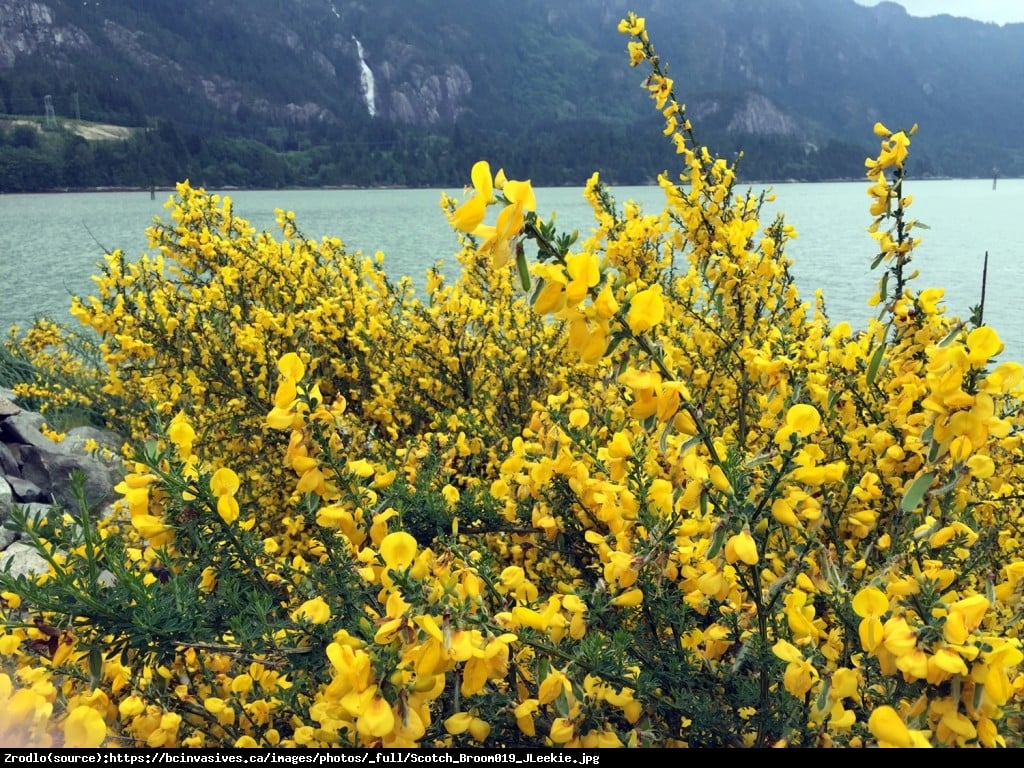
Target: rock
{"points": [[37, 472], [7, 407], [20, 559], [6, 499], [53, 470], [8, 461], [75, 440], [25, 428]]}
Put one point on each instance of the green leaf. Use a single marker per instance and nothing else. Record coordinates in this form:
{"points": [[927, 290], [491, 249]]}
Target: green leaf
{"points": [[95, 665], [717, 540], [689, 443], [833, 398], [822, 701], [536, 291], [663, 441], [614, 342], [979, 695], [524, 268], [916, 492], [876, 361], [951, 335]]}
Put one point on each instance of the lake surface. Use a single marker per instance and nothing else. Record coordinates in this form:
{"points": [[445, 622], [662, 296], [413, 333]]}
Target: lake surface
{"points": [[50, 244]]}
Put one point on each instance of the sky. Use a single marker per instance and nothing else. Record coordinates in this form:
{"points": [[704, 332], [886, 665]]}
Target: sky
{"points": [[998, 11]]}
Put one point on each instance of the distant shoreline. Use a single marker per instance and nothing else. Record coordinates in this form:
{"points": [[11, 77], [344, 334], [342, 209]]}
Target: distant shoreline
{"points": [[354, 187]]}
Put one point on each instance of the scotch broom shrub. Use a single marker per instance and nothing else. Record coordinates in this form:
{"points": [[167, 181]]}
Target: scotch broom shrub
{"points": [[629, 490]]}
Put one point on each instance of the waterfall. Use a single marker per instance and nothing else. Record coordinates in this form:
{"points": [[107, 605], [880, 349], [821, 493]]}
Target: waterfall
{"points": [[366, 80]]}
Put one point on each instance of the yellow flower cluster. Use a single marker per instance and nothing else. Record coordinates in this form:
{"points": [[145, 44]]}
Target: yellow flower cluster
{"points": [[624, 490]]}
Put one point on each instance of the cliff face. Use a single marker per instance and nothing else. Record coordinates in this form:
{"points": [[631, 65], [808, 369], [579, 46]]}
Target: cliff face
{"points": [[392, 80], [30, 29]]}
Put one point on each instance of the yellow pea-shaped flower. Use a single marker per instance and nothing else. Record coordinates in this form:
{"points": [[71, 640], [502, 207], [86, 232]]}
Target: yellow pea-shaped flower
{"points": [[803, 419], [742, 547], [646, 310], [224, 482], [84, 728], [629, 599], [398, 550], [982, 345], [886, 725], [291, 367], [316, 611]]}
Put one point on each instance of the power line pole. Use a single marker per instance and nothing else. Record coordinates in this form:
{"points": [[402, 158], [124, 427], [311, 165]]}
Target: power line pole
{"points": [[51, 118], [78, 113]]}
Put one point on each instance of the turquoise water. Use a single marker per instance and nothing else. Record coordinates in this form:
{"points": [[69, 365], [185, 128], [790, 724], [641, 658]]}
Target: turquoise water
{"points": [[50, 244]]}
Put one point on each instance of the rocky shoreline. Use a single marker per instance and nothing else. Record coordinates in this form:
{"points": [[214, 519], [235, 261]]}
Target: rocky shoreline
{"points": [[36, 475]]}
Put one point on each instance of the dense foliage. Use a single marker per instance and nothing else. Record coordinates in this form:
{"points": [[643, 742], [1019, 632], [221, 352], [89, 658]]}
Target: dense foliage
{"points": [[624, 490], [374, 155]]}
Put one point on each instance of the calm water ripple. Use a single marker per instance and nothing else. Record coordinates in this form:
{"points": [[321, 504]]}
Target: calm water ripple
{"points": [[50, 244]]}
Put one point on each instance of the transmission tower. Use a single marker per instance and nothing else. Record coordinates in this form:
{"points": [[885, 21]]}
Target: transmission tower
{"points": [[51, 118]]}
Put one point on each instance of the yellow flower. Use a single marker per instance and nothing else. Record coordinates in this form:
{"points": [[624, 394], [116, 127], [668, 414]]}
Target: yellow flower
{"points": [[377, 718], [646, 310], [181, 433], [520, 193], [316, 611], [468, 216], [890, 730], [584, 272], [741, 546], [800, 674], [224, 482], [870, 604], [632, 25], [579, 418], [84, 728], [290, 366], [629, 599], [361, 468], [964, 617], [636, 53], [524, 714], [228, 509], [398, 550], [450, 494], [562, 730], [982, 344], [498, 238], [458, 723], [802, 420]]}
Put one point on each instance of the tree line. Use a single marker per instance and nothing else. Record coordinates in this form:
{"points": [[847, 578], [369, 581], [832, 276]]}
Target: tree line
{"points": [[560, 154]]}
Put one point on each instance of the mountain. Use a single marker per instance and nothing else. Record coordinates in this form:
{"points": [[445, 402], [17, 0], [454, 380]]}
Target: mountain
{"points": [[320, 92]]}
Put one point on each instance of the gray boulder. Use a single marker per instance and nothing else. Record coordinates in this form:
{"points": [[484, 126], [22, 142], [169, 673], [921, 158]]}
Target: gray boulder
{"points": [[39, 473]]}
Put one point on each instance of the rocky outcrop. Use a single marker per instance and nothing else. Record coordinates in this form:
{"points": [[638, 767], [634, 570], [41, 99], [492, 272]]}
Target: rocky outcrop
{"points": [[30, 28], [36, 474], [428, 98], [759, 116]]}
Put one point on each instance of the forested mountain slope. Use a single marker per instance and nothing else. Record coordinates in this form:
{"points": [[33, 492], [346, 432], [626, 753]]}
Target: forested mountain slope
{"points": [[316, 92]]}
